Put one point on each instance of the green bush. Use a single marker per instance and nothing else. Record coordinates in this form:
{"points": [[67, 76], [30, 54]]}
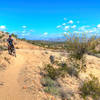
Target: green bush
{"points": [[7, 33], [92, 43], [68, 69], [23, 39], [13, 35], [72, 71], [55, 73], [91, 88], [3, 48], [77, 50], [54, 88], [1, 36], [77, 46], [63, 69], [50, 86], [51, 71]]}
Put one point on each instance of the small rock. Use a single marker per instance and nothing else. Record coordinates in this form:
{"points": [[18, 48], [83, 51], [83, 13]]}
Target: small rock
{"points": [[1, 83], [52, 59], [24, 87], [46, 52]]}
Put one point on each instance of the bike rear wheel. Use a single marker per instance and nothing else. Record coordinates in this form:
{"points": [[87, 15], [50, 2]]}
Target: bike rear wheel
{"points": [[12, 51]]}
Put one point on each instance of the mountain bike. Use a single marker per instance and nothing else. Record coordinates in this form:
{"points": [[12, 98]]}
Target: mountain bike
{"points": [[12, 50]]}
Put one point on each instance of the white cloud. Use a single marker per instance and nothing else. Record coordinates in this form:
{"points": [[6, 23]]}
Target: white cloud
{"points": [[23, 34], [24, 31], [70, 22], [90, 31], [74, 26], [32, 31], [84, 27], [98, 26], [64, 24], [24, 26], [45, 33], [77, 32], [2, 27], [59, 26], [65, 32], [66, 27]]}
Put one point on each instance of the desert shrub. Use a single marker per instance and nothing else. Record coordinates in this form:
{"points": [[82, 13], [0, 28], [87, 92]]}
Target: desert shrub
{"points": [[97, 55], [13, 35], [3, 48], [1, 36], [91, 88], [66, 94], [54, 88], [51, 71], [63, 69], [55, 73], [57, 62], [72, 71], [6, 32], [92, 43], [50, 86], [77, 47], [68, 69], [62, 64], [23, 39]]}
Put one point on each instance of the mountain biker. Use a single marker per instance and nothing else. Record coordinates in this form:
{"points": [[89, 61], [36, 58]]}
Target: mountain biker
{"points": [[10, 42]]}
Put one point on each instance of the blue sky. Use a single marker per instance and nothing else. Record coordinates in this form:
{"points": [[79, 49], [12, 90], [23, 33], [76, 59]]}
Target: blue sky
{"points": [[37, 19]]}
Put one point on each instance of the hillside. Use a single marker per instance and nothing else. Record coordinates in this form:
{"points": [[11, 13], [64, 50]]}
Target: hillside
{"points": [[20, 76]]}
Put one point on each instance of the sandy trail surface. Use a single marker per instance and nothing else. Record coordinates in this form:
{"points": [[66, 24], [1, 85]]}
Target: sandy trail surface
{"points": [[10, 89]]}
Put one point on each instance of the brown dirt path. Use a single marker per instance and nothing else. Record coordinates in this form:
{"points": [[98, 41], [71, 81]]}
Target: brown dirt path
{"points": [[11, 90]]}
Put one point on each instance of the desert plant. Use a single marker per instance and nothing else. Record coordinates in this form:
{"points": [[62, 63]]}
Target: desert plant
{"points": [[54, 88], [55, 73], [91, 87], [1, 36], [50, 86], [77, 47], [66, 94], [92, 43], [6, 32], [63, 69], [51, 71], [23, 39], [2, 48], [13, 35], [70, 69]]}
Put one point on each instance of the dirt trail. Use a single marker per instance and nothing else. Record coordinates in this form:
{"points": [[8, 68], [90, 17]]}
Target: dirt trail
{"points": [[10, 90]]}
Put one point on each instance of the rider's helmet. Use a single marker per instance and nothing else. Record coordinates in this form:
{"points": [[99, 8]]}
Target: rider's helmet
{"points": [[9, 36]]}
